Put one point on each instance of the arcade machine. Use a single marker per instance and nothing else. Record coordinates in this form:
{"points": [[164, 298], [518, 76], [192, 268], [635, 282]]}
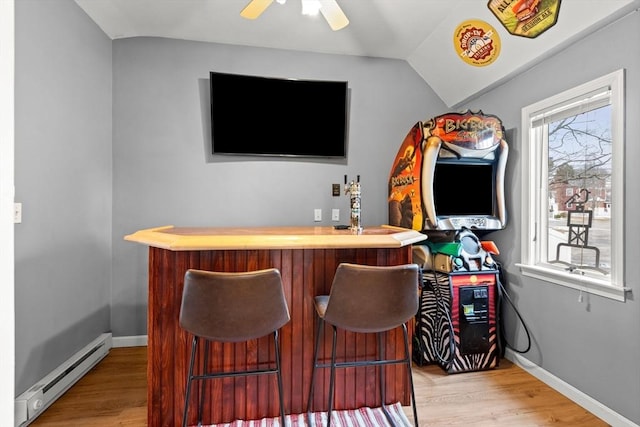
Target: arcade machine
{"points": [[447, 181]]}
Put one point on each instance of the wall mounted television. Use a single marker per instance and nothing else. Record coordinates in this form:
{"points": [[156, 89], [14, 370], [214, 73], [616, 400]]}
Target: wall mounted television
{"points": [[266, 116]]}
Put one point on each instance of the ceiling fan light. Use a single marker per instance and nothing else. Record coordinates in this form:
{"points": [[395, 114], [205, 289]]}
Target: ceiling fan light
{"points": [[310, 7]]}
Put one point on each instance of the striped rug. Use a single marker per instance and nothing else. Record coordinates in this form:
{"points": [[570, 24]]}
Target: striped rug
{"points": [[363, 417]]}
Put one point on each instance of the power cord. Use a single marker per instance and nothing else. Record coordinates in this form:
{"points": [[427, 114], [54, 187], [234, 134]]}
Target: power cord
{"points": [[502, 293]]}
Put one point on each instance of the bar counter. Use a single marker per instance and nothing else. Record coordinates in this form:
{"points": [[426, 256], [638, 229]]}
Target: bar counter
{"points": [[307, 258]]}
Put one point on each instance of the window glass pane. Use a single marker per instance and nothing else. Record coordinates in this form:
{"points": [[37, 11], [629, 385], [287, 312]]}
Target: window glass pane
{"points": [[573, 188], [578, 230]]}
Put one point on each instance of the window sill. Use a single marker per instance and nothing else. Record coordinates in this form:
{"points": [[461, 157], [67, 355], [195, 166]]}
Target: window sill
{"points": [[575, 281]]}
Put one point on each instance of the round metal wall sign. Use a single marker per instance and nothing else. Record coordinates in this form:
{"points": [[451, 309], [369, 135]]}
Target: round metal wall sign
{"points": [[476, 42]]}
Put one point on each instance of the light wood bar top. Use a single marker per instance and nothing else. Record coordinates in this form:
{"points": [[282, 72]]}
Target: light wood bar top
{"points": [[232, 238]]}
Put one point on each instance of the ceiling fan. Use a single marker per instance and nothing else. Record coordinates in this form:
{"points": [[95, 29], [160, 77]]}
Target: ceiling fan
{"points": [[329, 8]]}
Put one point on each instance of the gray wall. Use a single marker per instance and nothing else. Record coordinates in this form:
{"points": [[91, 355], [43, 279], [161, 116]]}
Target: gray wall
{"points": [[164, 174], [593, 345], [63, 178]]}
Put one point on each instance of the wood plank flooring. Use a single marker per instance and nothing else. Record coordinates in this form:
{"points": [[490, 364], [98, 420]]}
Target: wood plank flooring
{"points": [[114, 394]]}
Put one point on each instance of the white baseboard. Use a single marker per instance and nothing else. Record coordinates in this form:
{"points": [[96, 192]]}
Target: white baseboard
{"points": [[131, 341], [590, 404]]}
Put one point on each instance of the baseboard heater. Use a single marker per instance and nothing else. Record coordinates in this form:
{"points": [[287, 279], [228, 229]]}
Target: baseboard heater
{"points": [[39, 397]]}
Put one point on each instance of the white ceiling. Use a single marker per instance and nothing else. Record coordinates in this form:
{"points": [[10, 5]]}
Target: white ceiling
{"points": [[418, 31]]}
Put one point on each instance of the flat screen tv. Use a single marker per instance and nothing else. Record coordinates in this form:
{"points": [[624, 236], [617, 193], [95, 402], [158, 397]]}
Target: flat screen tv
{"points": [[264, 116]]}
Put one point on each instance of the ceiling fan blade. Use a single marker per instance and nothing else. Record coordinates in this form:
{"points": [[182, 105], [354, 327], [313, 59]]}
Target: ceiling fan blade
{"points": [[255, 8], [333, 14]]}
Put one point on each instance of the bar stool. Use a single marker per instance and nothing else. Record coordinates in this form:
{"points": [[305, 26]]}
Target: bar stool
{"points": [[232, 307], [367, 299]]}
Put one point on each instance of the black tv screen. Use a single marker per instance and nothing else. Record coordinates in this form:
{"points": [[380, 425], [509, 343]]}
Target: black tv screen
{"points": [[463, 189], [263, 116]]}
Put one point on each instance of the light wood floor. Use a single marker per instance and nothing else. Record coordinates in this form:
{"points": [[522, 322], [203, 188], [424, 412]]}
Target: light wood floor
{"points": [[114, 394]]}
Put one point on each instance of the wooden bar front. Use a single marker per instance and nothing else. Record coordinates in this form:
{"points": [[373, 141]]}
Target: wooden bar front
{"points": [[306, 272]]}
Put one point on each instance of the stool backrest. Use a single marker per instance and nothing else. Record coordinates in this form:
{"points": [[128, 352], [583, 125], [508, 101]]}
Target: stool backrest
{"points": [[372, 298], [233, 307]]}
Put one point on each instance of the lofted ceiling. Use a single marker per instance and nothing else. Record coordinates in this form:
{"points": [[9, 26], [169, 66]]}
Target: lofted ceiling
{"points": [[418, 31]]}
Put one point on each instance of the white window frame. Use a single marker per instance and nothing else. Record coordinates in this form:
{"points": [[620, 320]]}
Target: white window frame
{"points": [[534, 170]]}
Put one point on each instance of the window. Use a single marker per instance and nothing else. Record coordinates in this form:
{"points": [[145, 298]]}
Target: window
{"points": [[573, 188]]}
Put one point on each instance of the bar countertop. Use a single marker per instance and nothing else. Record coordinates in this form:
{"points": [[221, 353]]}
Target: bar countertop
{"points": [[231, 238]]}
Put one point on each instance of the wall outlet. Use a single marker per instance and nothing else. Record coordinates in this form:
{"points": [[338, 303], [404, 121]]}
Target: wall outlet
{"points": [[317, 215], [335, 214]]}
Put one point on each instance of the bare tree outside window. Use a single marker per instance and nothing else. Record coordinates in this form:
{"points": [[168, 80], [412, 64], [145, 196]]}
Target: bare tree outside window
{"points": [[579, 190]]}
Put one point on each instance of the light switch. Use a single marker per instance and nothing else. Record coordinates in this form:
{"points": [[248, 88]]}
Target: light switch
{"points": [[17, 213]]}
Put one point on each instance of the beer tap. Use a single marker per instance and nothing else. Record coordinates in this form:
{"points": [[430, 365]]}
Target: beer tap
{"points": [[354, 191]]}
